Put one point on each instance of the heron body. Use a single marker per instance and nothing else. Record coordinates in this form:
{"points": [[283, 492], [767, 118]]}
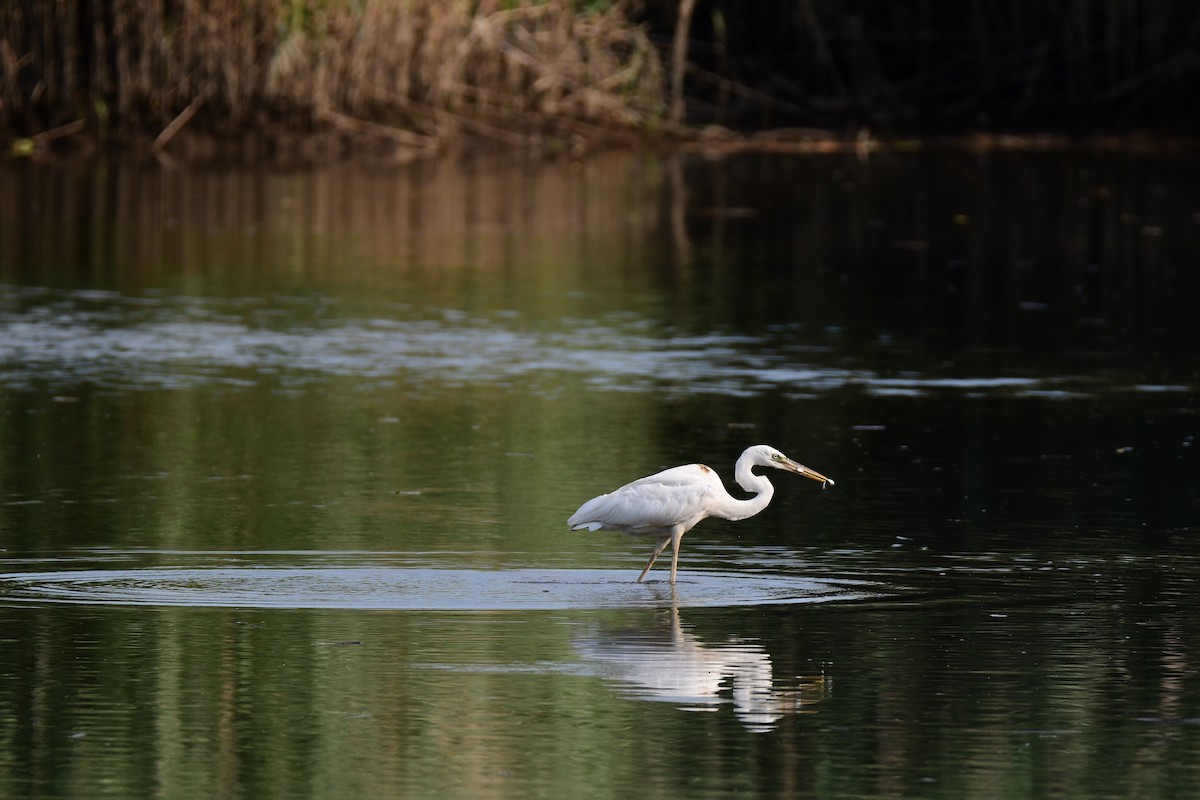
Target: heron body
{"points": [[669, 503]]}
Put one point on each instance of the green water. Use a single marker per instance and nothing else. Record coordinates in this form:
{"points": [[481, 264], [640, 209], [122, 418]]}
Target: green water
{"points": [[286, 461]]}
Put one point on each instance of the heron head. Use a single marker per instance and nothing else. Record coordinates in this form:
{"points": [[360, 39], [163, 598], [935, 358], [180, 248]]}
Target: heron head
{"points": [[770, 457]]}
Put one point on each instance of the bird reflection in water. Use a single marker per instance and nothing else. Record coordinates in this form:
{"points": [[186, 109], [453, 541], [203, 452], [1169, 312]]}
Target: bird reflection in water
{"points": [[667, 663]]}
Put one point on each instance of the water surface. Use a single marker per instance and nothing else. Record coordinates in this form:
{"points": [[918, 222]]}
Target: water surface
{"points": [[286, 459]]}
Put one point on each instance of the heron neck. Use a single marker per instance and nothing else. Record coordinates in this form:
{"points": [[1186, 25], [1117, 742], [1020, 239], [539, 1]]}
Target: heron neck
{"points": [[762, 489]]}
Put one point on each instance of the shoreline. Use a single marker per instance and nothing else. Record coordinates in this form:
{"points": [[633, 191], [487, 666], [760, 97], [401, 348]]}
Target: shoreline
{"points": [[370, 143], [380, 80]]}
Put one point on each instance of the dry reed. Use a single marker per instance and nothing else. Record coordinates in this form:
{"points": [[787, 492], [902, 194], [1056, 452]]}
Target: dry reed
{"points": [[409, 74]]}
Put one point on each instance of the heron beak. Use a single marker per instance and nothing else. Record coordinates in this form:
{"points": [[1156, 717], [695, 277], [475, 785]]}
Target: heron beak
{"points": [[811, 474]]}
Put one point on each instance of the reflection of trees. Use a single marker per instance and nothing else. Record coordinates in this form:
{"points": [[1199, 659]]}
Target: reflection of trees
{"points": [[1097, 694], [1036, 253], [1043, 698], [269, 465], [450, 234], [666, 662]]}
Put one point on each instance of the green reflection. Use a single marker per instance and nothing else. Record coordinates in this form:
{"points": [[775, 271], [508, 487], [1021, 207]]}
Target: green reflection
{"points": [[201, 703], [994, 357]]}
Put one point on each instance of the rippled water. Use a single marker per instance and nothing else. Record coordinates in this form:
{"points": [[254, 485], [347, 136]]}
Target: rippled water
{"points": [[286, 459], [415, 589], [110, 340]]}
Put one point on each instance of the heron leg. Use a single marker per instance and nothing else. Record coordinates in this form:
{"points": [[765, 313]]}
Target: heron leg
{"points": [[676, 541], [662, 543]]}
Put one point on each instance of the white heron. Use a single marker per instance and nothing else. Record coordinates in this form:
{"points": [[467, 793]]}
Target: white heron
{"points": [[669, 503]]}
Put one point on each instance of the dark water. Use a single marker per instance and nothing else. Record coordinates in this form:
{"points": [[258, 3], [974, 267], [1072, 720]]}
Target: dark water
{"points": [[286, 459]]}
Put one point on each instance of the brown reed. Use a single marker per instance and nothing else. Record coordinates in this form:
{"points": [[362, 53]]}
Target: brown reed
{"points": [[412, 74]]}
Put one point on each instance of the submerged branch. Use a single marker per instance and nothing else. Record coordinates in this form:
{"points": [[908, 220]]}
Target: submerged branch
{"points": [[178, 123]]}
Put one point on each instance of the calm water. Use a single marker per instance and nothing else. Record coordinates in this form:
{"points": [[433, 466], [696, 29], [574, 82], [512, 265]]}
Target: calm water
{"points": [[286, 459]]}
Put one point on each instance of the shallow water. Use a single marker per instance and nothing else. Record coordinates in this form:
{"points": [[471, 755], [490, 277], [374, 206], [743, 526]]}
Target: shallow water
{"points": [[286, 459], [369, 588]]}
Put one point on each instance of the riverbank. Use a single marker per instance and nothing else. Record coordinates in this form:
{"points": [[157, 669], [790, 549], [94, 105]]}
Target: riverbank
{"points": [[321, 80]]}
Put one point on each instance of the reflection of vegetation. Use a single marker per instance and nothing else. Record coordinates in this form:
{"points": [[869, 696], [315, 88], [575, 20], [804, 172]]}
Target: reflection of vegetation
{"points": [[815, 246], [224, 703], [190, 469], [453, 229], [1090, 687], [1023, 252]]}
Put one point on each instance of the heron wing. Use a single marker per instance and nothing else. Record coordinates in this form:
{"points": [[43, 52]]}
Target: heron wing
{"points": [[655, 503], [687, 475]]}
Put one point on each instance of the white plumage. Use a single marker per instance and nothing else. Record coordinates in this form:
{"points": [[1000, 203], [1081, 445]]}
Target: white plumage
{"points": [[669, 503]]}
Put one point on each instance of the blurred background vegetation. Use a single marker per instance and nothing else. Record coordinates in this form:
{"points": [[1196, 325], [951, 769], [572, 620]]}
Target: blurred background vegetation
{"points": [[317, 78]]}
